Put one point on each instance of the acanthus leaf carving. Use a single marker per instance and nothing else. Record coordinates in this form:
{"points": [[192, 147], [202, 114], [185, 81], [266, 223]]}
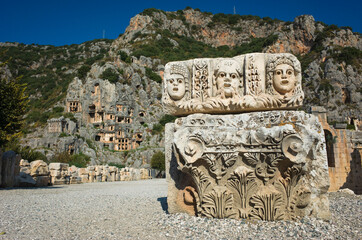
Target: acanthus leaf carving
{"points": [[245, 167], [243, 181], [218, 204], [267, 207]]}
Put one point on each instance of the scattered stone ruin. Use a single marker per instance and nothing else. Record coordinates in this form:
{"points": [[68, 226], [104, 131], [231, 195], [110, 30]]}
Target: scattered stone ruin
{"points": [[17, 172], [265, 165]]}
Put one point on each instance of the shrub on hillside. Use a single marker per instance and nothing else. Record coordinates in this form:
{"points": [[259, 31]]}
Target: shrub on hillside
{"points": [[158, 161], [110, 75], [79, 160]]}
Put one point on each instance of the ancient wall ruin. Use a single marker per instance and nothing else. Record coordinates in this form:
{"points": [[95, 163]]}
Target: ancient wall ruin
{"points": [[344, 149]]}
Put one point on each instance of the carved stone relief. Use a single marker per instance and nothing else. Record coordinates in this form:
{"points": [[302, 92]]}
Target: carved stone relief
{"points": [[266, 165], [250, 82]]}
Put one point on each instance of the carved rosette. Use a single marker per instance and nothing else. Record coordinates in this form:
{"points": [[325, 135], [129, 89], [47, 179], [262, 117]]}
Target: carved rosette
{"points": [[251, 82], [248, 166]]}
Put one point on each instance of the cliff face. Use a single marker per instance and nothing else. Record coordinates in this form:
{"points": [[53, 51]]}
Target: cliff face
{"points": [[330, 56], [294, 37], [112, 89]]}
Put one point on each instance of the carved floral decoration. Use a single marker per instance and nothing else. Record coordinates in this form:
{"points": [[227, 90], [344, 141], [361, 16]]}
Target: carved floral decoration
{"points": [[251, 178]]}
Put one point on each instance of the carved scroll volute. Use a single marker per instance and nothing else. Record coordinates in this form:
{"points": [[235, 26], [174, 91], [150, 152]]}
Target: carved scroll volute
{"points": [[292, 147], [194, 149], [189, 152]]}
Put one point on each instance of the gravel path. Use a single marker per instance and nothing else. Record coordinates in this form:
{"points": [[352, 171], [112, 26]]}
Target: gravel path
{"points": [[135, 210]]}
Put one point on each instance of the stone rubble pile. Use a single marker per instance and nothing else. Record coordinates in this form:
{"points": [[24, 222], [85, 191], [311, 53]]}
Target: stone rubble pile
{"points": [[17, 172]]}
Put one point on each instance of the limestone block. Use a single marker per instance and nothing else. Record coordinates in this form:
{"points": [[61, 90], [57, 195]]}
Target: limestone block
{"points": [[74, 177], [99, 172], [42, 181], [73, 170], [144, 173], [9, 169], [135, 174], [92, 174], [38, 168], [113, 173], [250, 82], [24, 166], [25, 180], [59, 173], [264, 165], [83, 173], [125, 175], [105, 174]]}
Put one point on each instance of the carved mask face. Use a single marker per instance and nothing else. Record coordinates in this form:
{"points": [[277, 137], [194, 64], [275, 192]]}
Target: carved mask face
{"points": [[228, 78], [284, 79], [176, 86]]}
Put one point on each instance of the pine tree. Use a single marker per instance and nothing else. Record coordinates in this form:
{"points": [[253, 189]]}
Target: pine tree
{"points": [[13, 106]]}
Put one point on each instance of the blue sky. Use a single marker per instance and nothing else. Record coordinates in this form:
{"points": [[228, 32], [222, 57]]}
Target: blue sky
{"points": [[75, 21]]}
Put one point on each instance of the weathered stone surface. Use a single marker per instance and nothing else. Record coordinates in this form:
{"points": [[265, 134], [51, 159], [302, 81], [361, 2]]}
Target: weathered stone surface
{"points": [[84, 175], [99, 172], [40, 173], [74, 177], [92, 174], [346, 190], [24, 166], [9, 169], [251, 82], [38, 168], [113, 171], [59, 173], [266, 165], [25, 180]]}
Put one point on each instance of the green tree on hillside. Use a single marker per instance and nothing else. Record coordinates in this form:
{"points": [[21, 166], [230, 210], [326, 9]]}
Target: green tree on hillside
{"points": [[158, 161], [13, 106]]}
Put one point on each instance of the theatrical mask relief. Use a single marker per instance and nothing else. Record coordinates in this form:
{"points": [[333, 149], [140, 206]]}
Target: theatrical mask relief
{"points": [[250, 82], [228, 157]]}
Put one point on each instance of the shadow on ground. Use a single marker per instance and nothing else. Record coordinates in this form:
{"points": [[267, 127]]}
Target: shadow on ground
{"points": [[30, 188], [163, 201]]}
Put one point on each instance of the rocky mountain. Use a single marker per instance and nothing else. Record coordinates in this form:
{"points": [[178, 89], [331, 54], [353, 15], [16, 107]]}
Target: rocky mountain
{"points": [[104, 96], [330, 56]]}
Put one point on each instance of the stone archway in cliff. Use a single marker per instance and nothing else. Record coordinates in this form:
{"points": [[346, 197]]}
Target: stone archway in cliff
{"points": [[330, 148]]}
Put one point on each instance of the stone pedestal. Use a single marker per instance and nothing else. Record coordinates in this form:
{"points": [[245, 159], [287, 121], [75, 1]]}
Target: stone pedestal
{"points": [[263, 165]]}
